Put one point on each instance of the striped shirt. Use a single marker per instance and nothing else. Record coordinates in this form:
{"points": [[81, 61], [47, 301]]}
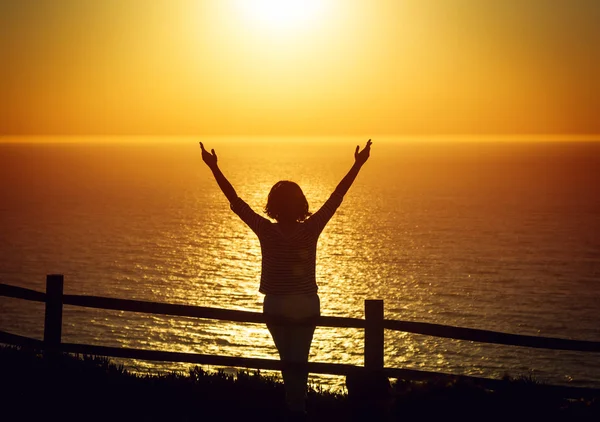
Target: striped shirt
{"points": [[288, 260]]}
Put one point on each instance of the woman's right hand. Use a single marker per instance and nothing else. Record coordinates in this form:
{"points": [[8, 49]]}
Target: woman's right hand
{"points": [[361, 157], [208, 158]]}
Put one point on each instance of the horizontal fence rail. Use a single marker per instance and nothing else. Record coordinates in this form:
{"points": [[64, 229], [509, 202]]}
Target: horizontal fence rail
{"points": [[194, 311], [494, 337], [21, 293], [271, 364], [373, 324], [424, 328]]}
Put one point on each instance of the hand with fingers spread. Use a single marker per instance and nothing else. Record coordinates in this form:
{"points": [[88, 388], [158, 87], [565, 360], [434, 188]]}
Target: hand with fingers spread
{"points": [[361, 157], [210, 158]]}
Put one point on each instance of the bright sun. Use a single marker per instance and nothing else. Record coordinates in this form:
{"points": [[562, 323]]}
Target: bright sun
{"points": [[282, 14]]}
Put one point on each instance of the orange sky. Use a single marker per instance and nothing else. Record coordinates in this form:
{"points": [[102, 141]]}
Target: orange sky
{"points": [[334, 67]]}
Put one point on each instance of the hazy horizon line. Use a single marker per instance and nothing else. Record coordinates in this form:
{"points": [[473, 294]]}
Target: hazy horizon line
{"points": [[115, 138]]}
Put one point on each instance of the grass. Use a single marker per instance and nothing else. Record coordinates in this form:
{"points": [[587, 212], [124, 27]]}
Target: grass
{"points": [[84, 388]]}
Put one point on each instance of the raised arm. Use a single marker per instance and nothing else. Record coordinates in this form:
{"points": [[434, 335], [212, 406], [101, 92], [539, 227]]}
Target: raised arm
{"points": [[210, 158], [360, 158], [319, 219]]}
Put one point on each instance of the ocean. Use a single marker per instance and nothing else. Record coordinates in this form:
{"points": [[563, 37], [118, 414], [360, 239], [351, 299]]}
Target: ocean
{"points": [[501, 236]]}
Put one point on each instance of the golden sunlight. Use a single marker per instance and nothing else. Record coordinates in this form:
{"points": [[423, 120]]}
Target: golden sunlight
{"points": [[281, 15], [300, 67]]}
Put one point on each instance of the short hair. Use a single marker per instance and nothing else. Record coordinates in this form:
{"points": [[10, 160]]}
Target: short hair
{"points": [[287, 202]]}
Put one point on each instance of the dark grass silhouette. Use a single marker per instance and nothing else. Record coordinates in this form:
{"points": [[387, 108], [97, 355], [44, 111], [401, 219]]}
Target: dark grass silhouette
{"points": [[84, 388]]}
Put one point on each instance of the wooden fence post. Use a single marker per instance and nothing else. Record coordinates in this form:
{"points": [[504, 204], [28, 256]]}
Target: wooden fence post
{"points": [[374, 334], [54, 305]]}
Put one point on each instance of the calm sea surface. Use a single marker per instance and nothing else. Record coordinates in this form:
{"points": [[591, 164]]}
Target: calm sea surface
{"points": [[497, 236]]}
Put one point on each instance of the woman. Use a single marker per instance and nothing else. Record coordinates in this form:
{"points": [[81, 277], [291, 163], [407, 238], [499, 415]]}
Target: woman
{"points": [[288, 249]]}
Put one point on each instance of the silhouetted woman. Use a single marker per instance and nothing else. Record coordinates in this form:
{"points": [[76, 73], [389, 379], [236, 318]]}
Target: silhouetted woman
{"points": [[289, 248]]}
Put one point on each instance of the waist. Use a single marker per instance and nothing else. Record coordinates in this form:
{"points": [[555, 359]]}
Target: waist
{"points": [[288, 286], [296, 306]]}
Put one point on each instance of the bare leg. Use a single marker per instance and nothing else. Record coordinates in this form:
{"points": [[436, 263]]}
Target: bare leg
{"points": [[293, 344]]}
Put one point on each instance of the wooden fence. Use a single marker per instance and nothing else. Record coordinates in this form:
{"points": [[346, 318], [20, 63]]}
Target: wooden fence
{"points": [[373, 324]]}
